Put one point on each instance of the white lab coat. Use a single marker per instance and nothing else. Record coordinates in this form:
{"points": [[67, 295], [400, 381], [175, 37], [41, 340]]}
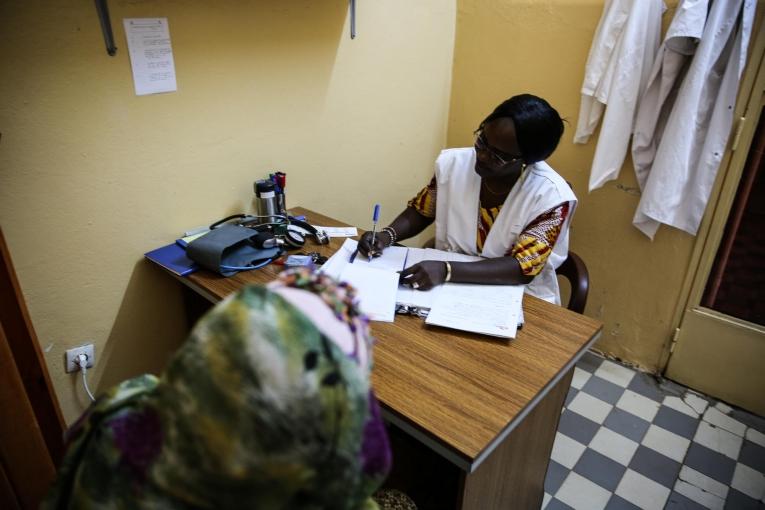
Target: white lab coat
{"points": [[618, 67], [688, 155], [667, 74], [538, 190]]}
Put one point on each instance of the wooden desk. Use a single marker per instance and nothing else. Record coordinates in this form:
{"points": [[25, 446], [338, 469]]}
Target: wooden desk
{"points": [[488, 406]]}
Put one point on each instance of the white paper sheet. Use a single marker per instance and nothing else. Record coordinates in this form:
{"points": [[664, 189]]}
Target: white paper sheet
{"points": [[336, 263], [433, 254], [488, 309], [423, 299], [376, 282], [151, 55], [392, 259], [339, 231], [376, 290]]}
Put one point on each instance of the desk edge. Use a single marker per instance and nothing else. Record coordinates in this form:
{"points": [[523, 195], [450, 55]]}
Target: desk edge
{"points": [[532, 404], [439, 448]]}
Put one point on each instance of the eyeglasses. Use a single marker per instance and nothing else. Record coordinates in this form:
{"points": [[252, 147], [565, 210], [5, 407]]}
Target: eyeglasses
{"points": [[481, 144]]}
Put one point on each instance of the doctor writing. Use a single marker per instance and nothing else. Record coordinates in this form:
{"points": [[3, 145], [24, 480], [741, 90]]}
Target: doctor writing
{"points": [[497, 199]]}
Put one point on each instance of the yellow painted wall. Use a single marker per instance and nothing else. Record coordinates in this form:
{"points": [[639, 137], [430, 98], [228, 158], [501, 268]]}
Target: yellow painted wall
{"points": [[92, 176], [507, 47]]}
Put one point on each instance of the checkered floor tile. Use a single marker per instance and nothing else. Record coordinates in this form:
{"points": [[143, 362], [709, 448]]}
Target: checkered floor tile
{"points": [[626, 441]]}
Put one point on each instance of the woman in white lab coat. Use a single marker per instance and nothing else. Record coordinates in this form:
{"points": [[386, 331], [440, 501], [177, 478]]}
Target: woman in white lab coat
{"points": [[499, 200]]}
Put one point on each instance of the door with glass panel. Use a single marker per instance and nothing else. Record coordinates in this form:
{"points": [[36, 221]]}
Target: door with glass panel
{"points": [[719, 346]]}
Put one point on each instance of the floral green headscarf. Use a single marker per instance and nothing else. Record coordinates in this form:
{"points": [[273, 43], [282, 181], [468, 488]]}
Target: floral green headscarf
{"points": [[259, 409]]}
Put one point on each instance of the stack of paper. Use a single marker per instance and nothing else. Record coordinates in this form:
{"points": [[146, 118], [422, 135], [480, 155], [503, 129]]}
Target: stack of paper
{"points": [[488, 309]]}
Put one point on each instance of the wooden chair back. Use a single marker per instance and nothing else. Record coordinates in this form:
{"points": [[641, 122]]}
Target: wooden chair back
{"points": [[575, 271]]}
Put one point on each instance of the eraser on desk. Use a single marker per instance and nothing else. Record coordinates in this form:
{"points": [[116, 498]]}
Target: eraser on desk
{"points": [[299, 260]]}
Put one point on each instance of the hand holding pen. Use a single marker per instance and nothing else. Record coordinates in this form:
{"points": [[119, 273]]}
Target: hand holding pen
{"points": [[370, 244], [375, 217]]}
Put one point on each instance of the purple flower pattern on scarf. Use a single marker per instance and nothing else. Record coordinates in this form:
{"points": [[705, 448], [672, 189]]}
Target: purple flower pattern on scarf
{"points": [[375, 449], [138, 436]]}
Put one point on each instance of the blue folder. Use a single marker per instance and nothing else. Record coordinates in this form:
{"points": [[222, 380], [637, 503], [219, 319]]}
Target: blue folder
{"points": [[173, 258]]}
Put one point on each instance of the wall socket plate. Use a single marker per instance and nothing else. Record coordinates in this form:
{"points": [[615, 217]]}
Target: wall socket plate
{"points": [[71, 357]]}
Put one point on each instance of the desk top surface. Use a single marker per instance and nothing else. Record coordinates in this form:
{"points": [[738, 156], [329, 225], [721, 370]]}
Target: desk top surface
{"points": [[461, 390]]}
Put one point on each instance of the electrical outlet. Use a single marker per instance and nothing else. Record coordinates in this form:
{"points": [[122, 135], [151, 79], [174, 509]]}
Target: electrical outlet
{"points": [[71, 357]]}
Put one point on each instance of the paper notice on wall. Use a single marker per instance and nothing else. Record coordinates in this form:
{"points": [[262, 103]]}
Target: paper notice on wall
{"points": [[151, 55]]}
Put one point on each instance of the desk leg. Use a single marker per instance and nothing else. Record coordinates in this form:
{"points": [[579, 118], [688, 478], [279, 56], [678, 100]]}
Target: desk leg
{"points": [[196, 306], [513, 475]]}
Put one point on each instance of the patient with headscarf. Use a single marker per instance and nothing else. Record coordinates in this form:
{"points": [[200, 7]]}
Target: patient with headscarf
{"points": [[267, 405]]}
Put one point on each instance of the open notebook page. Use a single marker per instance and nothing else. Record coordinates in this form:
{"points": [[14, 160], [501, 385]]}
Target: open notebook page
{"points": [[433, 254], [374, 289], [423, 299], [488, 309]]}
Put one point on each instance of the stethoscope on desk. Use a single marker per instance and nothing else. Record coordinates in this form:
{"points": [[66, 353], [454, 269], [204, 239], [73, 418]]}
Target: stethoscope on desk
{"points": [[293, 237], [275, 233]]}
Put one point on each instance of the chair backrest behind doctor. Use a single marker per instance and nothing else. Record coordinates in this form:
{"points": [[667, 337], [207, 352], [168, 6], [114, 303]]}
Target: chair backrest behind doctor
{"points": [[575, 271]]}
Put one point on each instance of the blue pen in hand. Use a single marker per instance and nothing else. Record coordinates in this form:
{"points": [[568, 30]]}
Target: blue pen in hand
{"points": [[375, 217]]}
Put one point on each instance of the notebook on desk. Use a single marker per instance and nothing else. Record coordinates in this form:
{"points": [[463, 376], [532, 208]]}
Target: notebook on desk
{"points": [[488, 309], [173, 258]]}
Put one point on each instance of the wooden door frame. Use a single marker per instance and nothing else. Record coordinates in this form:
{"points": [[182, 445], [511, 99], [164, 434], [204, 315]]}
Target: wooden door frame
{"points": [[31, 425], [712, 228], [27, 467]]}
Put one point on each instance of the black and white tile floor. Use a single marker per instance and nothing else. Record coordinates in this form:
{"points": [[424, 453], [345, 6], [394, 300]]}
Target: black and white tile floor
{"points": [[626, 441]]}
